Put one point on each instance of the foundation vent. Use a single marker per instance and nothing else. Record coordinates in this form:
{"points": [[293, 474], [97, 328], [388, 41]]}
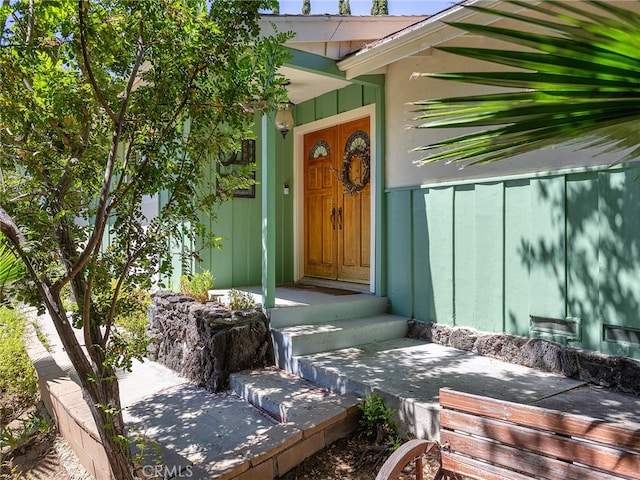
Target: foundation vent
{"points": [[621, 335], [557, 329]]}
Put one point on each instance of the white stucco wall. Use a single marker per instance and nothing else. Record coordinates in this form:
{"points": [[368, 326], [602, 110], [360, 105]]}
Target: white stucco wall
{"points": [[401, 169]]}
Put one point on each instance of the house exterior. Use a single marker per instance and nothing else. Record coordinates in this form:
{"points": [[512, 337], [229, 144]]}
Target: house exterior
{"points": [[543, 245]]}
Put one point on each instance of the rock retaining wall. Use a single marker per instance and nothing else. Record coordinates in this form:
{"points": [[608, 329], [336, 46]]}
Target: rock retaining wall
{"points": [[204, 342], [617, 372]]}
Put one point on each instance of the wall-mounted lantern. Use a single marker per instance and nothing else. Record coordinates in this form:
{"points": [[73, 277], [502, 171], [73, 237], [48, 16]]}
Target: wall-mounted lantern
{"points": [[284, 118]]}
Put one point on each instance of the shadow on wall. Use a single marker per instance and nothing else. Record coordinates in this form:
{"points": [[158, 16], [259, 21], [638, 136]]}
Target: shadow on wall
{"points": [[587, 269], [423, 301], [555, 257]]}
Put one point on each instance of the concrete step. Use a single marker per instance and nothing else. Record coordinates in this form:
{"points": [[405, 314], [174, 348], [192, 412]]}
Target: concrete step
{"points": [[321, 417], [332, 308], [266, 425], [288, 398], [306, 339]]}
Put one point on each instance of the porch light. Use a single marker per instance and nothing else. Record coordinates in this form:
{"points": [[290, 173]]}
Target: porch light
{"points": [[284, 118]]}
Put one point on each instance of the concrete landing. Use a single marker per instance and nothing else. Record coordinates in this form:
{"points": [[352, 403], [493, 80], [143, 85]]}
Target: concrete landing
{"points": [[408, 374]]}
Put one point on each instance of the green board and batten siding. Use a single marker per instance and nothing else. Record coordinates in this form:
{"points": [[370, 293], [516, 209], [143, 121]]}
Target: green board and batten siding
{"points": [[238, 222], [562, 248]]}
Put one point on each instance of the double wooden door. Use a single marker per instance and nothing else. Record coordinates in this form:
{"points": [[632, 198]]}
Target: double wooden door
{"points": [[337, 202]]}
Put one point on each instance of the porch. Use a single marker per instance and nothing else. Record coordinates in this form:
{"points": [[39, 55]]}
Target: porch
{"points": [[272, 419], [342, 339]]}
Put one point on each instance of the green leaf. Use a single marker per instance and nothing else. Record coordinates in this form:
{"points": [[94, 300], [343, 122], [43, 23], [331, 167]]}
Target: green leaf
{"points": [[578, 80]]}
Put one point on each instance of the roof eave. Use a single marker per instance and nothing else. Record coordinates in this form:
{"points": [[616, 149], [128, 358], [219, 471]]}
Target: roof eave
{"points": [[426, 34], [336, 28]]}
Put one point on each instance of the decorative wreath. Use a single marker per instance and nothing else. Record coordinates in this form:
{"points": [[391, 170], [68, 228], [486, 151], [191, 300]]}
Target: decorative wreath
{"points": [[354, 186]]}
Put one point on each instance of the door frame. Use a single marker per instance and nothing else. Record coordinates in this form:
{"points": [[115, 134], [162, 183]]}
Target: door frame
{"points": [[298, 190]]}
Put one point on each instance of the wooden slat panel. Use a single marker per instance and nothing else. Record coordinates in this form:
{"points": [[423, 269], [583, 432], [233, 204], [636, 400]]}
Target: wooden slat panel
{"points": [[537, 466], [618, 264], [583, 269], [464, 261], [350, 98], [452, 462], [421, 283], [440, 215], [542, 418], [399, 286], [489, 258], [547, 285], [327, 105], [571, 450], [517, 243]]}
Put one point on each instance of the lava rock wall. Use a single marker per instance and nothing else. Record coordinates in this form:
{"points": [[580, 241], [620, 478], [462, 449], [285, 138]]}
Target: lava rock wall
{"points": [[205, 342]]}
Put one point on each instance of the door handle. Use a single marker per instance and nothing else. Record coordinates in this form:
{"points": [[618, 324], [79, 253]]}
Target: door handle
{"points": [[340, 218], [332, 218]]}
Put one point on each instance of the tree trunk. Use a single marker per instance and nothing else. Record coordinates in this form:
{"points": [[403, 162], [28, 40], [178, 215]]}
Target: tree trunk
{"points": [[100, 388], [118, 453]]}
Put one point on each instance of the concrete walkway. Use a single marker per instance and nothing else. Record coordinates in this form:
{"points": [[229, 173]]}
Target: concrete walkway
{"points": [[223, 436], [226, 436]]}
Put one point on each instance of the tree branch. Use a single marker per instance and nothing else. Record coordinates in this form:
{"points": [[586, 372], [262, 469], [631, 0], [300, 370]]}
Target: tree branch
{"points": [[5, 3], [102, 212], [87, 65], [30, 24], [183, 103], [116, 293], [9, 228], [91, 333], [61, 322]]}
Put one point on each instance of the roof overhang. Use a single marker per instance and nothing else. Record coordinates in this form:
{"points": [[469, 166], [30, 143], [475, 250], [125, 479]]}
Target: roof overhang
{"points": [[320, 40], [419, 37], [335, 36], [305, 85]]}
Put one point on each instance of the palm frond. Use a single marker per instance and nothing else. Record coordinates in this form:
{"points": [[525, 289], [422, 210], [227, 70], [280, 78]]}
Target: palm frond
{"points": [[576, 79], [11, 268]]}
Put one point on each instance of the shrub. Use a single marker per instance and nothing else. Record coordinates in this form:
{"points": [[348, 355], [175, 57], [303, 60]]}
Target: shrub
{"points": [[239, 300], [29, 426], [129, 338], [377, 423], [131, 313], [197, 285], [18, 380]]}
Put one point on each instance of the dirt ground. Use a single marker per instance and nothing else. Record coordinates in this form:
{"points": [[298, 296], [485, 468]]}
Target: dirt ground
{"points": [[44, 457], [352, 459]]}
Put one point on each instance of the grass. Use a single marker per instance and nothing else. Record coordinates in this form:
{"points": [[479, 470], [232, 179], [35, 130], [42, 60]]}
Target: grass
{"points": [[17, 375], [18, 388]]}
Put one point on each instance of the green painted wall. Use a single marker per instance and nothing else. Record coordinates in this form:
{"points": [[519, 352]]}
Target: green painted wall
{"points": [[564, 248], [238, 221], [239, 261]]}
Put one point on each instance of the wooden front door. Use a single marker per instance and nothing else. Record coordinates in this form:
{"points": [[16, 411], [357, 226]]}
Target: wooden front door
{"points": [[337, 212]]}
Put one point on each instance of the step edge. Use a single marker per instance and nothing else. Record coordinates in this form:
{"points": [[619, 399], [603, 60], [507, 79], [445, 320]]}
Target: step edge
{"points": [[351, 323]]}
